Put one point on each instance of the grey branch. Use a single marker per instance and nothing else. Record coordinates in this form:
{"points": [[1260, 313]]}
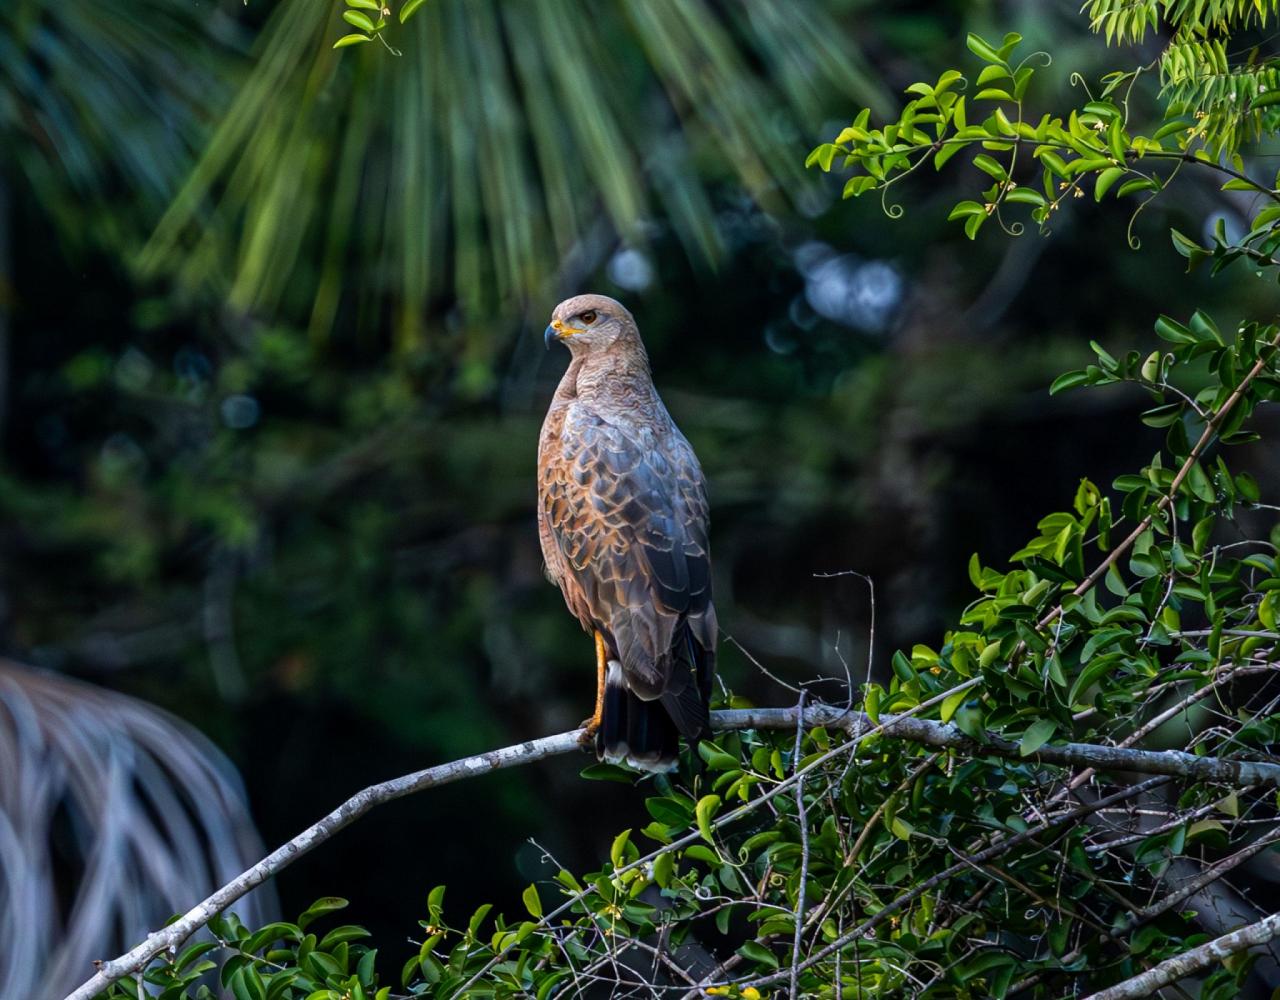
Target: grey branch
{"points": [[1180, 966], [929, 733], [172, 936], [1237, 773]]}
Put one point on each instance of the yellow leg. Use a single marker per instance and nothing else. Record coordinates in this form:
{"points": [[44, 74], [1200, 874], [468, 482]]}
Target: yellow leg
{"points": [[592, 724]]}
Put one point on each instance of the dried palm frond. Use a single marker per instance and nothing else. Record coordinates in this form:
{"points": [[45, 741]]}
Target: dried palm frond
{"points": [[375, 187], [114, 815]]}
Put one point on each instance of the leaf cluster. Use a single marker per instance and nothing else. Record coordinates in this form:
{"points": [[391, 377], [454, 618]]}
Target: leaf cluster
{"points": [[275, 961], [1207, 108]]}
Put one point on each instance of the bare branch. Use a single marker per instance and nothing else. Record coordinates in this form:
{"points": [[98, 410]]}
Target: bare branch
{"points": [[1237, 773], [175, 933], [804, 852], [1171, 970]]}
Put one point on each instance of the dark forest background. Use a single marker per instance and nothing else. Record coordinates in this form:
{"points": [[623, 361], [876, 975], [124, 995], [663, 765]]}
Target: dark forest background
{"points": [[271, 376]]}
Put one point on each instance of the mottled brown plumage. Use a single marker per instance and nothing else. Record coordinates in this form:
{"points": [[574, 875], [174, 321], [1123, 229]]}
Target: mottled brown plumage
{"points": [[622, 517]]}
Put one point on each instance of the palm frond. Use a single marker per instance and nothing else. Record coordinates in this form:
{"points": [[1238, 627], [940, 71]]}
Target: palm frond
{"points": [[1130, 20], [107, 99], [355, 185], [1198, 79], [113, 816]]}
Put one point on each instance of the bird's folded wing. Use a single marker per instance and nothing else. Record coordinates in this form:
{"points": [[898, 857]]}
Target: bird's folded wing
{"points": [[628, 510]]}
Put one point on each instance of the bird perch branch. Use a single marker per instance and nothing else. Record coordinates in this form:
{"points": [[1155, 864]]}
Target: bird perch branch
{"points": [[1236, 773], [1180, 966]]}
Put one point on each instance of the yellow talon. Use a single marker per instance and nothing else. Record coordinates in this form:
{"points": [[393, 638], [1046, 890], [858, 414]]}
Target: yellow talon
{"points": [[592, 724]]}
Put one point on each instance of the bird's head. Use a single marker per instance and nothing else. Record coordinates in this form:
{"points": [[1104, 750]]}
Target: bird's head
{"points": [[588, 324]]}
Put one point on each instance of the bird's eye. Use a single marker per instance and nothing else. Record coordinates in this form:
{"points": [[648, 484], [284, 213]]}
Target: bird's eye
{"points": [[589, 316]]}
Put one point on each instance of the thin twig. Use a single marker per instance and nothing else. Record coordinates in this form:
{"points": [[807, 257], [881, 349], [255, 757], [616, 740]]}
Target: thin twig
{"points": [[997, 849], [803, 819], [1162, 717], [1210, 429]]}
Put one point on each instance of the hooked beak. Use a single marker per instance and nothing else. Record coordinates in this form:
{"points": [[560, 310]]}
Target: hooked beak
{"points": [[556, 331]]}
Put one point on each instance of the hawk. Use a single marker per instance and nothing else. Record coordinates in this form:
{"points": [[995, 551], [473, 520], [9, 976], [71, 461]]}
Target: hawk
{"points": [[622, 518]]}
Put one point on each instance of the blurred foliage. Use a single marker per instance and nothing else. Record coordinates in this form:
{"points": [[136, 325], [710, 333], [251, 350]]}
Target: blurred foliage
{"points": [[305, 521], [508, 141], [103, 104]]}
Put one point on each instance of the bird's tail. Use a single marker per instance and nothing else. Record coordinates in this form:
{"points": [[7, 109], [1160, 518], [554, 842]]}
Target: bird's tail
{"points": [[645, 734], [633, 731]]}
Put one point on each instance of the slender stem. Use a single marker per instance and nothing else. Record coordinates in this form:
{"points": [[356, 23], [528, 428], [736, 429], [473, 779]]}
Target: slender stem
{"points": [[803, 820], [1210, 429]]}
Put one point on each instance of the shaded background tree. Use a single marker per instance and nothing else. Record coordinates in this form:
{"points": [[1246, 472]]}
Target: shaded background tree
{"points": [[277, 477]]}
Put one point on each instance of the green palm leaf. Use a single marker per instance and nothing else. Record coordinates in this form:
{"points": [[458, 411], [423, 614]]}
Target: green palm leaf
{"points": [[352, 185], [107, 100]]}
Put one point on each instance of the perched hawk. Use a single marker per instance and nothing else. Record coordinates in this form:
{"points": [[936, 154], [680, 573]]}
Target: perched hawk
{"points": [[622, 517]]}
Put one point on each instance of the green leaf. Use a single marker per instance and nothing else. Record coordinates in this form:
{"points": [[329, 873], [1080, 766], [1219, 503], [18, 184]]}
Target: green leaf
{"points": [[756, 952], [1094, 671], [902, 666], [532, 902], [1137, 184], [823, 156], [966, 208], [608, 772], [271, 932], [1198, 483], [953, 702], [409, 9], [1025, 196], [668, 809], [945, 153], [1200, 534], [871, 704], [326, 904], [1163, 416], [989, 165], [1184, 244], [664, 866], [617, 851], [971, 720], [992, 72], [1105, 179], [359, 20], [1171, 330], [1037, 734], [1069, 380], [435, 902], [477, 918], [704, 811], [982, 49], [346, 40]]}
